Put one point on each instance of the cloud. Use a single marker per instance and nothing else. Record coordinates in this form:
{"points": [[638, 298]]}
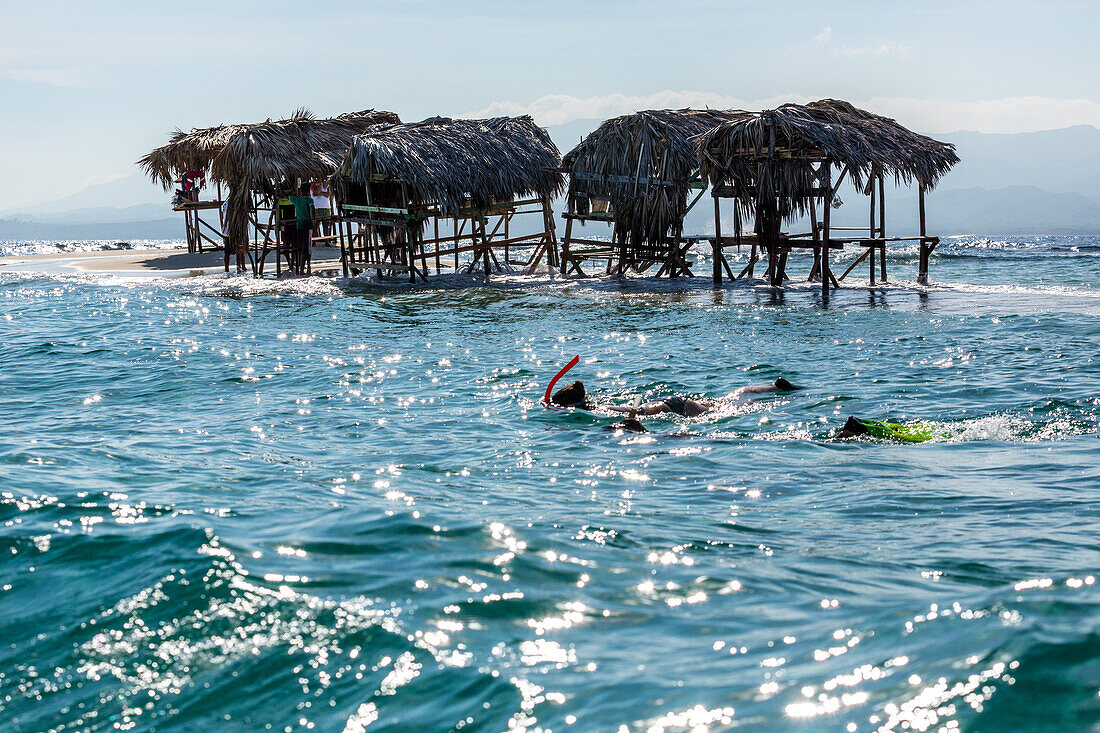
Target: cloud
{"points": [[883, 49], [65, 78], [891, 48], [1010, 114], [559, 109]]}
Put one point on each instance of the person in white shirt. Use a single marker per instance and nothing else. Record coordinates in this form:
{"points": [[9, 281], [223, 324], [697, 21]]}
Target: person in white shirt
{"points": [[322, 213]]}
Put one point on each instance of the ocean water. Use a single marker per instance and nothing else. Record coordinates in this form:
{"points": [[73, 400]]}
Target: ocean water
{"points": [[338, 505]]}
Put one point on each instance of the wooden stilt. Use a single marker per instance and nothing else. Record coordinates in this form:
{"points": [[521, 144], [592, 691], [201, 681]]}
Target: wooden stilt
{"points": [[882, 224], [922, 267], [411, 238], [717, 268], [827, 205], [775, 260], [551, 234], [345, 265], [225, 253], [815, 270], [565, 257], [871, 231], [484, 243], [435, 224], [622, 252]]}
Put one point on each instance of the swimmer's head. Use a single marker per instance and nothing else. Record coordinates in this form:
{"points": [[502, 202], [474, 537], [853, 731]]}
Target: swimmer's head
{"points": [[783, 385], [852, 428], [572, 395]]}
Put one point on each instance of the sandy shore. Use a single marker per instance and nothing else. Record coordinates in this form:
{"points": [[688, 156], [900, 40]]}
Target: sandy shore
{"points": [[150, 262]]}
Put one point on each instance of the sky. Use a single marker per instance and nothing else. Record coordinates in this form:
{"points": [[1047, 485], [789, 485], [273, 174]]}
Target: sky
{"points": [[88, 88]]}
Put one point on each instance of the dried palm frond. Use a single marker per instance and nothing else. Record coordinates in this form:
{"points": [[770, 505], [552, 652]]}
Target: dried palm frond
{"points": [[642, 163], [254, 155], [458, 163], [773, 159]]}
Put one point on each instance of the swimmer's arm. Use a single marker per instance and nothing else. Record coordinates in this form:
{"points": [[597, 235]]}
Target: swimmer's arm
{"points": [[651, 408], [757, 389]]}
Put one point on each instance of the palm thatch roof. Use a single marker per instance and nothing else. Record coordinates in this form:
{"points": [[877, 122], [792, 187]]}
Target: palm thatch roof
{"points": [[771, 155], [643, 163], [249, 155], [459, 163]]}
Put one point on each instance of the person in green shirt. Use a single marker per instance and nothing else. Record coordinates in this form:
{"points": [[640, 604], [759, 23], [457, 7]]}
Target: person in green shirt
{"points": [[303, 216], [913, 432]]}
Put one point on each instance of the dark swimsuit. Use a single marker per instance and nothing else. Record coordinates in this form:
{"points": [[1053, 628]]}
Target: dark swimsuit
{"points": [[676, 404]]}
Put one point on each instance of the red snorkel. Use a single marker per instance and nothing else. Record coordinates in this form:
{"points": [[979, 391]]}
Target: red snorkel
{"points": [[550, 387]]}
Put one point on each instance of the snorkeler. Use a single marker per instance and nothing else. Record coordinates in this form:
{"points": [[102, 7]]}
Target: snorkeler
{"points": [[905, 432], [574, 395]]}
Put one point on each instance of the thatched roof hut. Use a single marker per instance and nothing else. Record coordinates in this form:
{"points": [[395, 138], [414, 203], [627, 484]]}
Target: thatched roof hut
{"points": [[643, 164], [458, 163], [298, 147], [255, 158], [776, 155]]}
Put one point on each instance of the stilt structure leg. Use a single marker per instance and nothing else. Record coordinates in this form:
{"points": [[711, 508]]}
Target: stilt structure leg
{"points": [[485, 244], [922, 267], [882, 225], [827, 204], [871, 232], [717, 267], [565, 247]]}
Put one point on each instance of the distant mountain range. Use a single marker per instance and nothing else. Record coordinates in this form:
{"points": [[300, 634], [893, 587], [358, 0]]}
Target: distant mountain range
{"points": [[131, 207], [1024, 183]]}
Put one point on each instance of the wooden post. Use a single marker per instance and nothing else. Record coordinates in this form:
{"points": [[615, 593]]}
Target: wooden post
{"points": [[622, 246], [435, 224], [484, 241], [881, 207], [565, 246], [922, 267], [225, 252], [826, 273], [551, 233], [871, 228], [737, 225], [716, 271], [882, 225], [412, 237], [187, 230], [775, 274], [677, 238], [344, 264], [871, 231], [815, 236]]}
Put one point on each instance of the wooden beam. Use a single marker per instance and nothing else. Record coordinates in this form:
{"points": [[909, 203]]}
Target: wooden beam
{"points": [[635, 180]]}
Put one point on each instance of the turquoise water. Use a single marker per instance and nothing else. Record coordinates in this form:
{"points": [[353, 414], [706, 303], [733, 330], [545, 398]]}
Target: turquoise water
{"points": [[327, 505]]}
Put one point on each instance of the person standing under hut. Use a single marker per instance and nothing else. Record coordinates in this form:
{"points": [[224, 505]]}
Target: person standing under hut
{"points": [[287, 221], [303, 216], [322, 212]]}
